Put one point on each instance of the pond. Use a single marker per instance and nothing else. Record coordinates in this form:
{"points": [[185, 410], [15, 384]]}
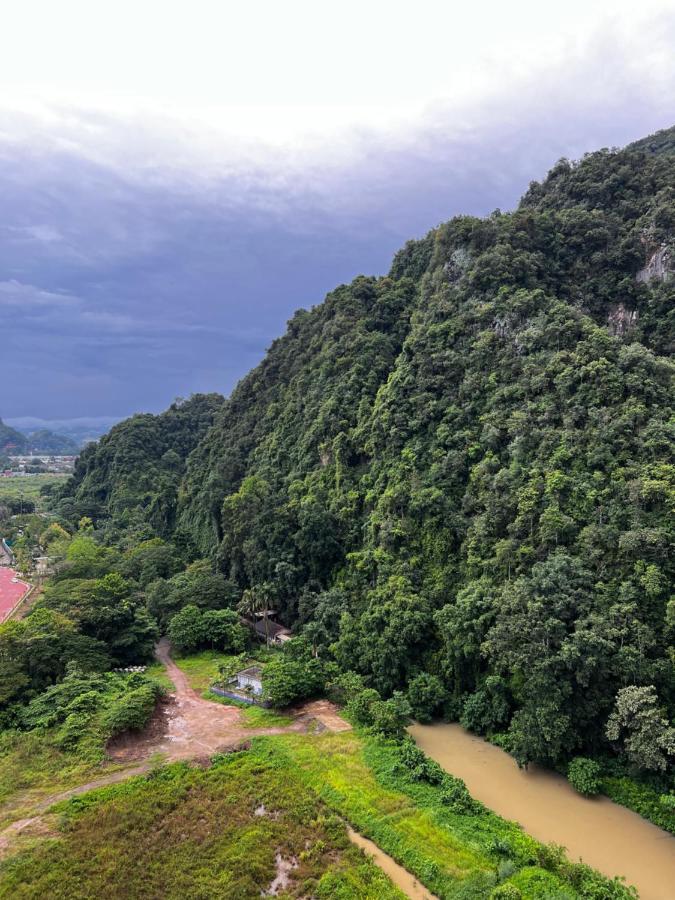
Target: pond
{"points": [[604, 835]]}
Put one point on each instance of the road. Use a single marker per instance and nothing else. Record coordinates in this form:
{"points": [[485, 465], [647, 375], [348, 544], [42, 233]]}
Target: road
{"points": [[11, 591]]}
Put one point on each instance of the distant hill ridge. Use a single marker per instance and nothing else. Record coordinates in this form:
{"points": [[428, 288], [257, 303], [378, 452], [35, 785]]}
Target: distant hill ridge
{"points": [[14, 442]]}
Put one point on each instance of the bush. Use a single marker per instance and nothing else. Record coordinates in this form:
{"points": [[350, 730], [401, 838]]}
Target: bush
{"points": [[506, 892], [286, 679], [426, 696], [389, 717], [584, 776], [359, 706], [488, 708], [131, 711]]}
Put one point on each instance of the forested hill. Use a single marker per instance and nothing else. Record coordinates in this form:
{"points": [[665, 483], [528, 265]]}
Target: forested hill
{"points": [[463, 468], [12, 441], [128, 481]]}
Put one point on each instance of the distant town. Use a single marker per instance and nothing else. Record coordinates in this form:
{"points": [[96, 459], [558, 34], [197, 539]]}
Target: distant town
{"points": [[21, 466]]}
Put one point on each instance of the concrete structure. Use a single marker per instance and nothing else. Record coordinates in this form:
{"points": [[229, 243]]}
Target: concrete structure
{"points": [[249, 680]]}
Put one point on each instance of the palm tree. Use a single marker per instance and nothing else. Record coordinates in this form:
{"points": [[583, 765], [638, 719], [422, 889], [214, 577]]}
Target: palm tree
{"points": [[253, 602]]}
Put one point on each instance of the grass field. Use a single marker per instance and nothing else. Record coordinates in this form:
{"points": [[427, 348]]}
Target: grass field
{"points": [[28, 487], [198, 832], [32, 767], [221, 832]]}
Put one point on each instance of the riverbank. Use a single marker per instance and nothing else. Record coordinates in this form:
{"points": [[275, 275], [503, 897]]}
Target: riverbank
{"points": [[604, 835]]}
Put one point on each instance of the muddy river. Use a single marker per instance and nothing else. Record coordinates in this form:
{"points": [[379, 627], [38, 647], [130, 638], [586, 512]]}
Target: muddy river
{"points": [[608, 837]]}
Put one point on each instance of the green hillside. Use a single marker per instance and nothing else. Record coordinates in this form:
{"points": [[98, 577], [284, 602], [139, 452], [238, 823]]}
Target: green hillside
{"points": [[461, 469]]}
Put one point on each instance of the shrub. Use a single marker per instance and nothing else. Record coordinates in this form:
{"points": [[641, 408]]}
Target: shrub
{"points": [[286, 679], [488, 708], [389, 717], [359, 706], [131, 711], [506, 892], [584, 775], [426, 696]]}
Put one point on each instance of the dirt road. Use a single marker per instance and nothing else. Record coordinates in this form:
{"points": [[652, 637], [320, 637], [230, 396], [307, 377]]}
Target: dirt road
{"points": [[185, 726]]}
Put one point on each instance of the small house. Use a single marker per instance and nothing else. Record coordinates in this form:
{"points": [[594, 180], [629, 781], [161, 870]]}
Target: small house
{"points": [[278, 634], [249, 680]]}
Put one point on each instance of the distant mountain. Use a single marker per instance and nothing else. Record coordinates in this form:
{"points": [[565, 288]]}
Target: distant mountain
{"points": [[46, 441], [12, 441], [80, 431]]}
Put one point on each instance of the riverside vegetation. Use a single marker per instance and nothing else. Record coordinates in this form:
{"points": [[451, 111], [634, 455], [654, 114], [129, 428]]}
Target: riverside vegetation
{"points": [[454, 482]]}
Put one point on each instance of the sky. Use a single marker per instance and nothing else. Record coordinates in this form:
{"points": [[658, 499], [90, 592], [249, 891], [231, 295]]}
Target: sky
{"points": [[178, 178]]}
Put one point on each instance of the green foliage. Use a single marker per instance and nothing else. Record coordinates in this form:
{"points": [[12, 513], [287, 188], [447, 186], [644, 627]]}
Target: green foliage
{"points": [[584, 775], [648, 738], [184, 832], [462, 469], [286, 679], [37, 650], [487, 709], [426, 695], [130, 478], [506, 892], [643, 799], [191, 629], [84, 710], [132, 711], [198, 584]]}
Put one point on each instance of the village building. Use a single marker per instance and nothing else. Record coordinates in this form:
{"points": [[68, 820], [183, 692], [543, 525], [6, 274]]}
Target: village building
{"points": [[278, 634], [249, 680]]}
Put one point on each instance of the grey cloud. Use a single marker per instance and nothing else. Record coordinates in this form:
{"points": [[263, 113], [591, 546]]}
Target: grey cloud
{"points": [[132, 285]]}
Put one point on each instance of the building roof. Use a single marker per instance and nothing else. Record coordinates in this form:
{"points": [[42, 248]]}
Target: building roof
{"points": [[251, 672], [273, 629]]}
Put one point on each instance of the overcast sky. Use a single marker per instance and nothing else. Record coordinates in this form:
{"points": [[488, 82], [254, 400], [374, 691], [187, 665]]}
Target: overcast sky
{"points": [[178, 178]]}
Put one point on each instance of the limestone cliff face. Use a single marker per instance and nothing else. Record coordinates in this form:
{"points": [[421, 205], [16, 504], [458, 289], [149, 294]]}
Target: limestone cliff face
{"points": [[620, 319], [659, 266]]}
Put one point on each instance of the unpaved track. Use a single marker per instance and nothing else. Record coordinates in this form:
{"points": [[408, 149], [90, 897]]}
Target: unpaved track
{"points": [[185, 726]]}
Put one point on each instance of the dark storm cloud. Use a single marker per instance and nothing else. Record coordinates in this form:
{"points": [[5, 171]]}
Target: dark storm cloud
{"points": [[120, 290]]}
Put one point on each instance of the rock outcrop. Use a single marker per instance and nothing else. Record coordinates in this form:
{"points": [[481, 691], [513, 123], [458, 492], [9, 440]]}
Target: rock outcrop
{"points": [[659, 266]]}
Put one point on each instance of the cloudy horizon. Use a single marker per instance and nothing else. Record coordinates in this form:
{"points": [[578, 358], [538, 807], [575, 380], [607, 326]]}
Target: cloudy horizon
{"points": [[159, 230]]}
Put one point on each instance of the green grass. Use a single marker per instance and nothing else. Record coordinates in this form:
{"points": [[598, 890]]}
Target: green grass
{"points": [[195, 833], [201, 668], [159, 674], [33, 767], [28, 487], [454, 854]]}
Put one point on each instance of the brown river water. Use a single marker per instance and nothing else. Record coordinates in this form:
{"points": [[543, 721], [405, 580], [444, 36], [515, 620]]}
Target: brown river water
{"points": [[403, 880], [608, 837]]}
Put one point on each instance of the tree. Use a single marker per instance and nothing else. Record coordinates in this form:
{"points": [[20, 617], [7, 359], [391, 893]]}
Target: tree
{"points": [[389, 717], [186, 629], [584, 775], [286, 679], [255, 601], [221, 628], [647, 738], [488, 708], [426, 695]]}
